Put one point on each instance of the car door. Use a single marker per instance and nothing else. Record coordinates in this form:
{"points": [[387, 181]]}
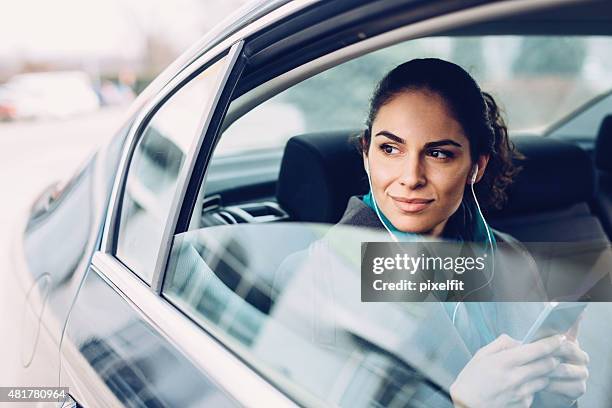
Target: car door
{"points": [[122, 344]]}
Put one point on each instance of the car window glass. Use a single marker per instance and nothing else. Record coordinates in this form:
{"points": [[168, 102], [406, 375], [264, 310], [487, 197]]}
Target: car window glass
{"points": [[154, 169], [292, 309]]}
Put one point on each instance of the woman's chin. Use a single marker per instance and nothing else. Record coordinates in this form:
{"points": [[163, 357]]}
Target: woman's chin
{"points": [[414, 228]]}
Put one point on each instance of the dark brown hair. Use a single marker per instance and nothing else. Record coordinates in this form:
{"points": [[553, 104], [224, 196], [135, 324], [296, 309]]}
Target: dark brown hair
{"points": [[476, 112]]}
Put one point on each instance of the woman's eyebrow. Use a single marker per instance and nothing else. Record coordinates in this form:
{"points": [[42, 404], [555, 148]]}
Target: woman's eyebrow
{"points": [[442, 143], [429, 145], [391, 136]]}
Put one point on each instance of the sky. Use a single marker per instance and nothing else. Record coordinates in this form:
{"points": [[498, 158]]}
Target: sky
{"points": [[39, 29]]}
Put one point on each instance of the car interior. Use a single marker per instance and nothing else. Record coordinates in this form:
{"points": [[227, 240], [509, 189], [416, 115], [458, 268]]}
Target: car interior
{"points": [[603, 166], [558, 197], [541, 206], [562, 194]]}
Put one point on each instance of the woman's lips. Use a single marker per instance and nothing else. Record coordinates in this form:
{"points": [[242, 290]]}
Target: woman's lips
{"points": [[411, 205]]}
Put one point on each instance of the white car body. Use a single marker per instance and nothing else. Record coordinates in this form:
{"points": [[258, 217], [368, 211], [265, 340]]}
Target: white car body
{"points": [[49, 95]]}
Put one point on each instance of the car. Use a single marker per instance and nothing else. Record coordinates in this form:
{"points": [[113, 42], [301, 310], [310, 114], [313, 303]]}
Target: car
{"points": [[45, 95], [161, 273]]}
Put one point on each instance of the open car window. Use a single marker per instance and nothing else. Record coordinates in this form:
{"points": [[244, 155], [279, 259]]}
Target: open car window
{"points": [[538, 81]]}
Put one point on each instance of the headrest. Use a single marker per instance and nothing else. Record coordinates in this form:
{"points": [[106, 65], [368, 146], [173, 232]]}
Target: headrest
{"points": [[319, 173], [603, 145], [554, 174]]}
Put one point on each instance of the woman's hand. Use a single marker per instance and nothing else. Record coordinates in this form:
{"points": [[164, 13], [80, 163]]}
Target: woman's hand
{"points": [[568, 381], [507, 373]]}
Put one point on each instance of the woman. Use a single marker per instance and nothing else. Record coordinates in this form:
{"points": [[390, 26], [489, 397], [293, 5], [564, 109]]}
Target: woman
{"points": [[432, 136]]}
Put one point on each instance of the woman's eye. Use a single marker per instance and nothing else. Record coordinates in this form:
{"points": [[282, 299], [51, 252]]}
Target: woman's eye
{"points": [[388, 149], [440, 154]]}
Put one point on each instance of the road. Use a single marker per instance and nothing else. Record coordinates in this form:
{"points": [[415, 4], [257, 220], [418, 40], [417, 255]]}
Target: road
{"points": [[32, 155]]}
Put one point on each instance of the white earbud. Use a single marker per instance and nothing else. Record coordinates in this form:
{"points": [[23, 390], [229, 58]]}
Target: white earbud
{"points": [[472, 181], [474, 174], [489, 238]]}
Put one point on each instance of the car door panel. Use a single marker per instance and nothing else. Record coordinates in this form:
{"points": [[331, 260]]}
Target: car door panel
{"points": [[61, 234], [113, 355], [57, 244]]}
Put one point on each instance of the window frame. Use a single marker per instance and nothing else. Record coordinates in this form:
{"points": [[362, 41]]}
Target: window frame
{"points": [[208, 353], [139, 125]]}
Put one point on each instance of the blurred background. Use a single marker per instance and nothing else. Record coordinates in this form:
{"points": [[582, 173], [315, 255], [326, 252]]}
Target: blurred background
{"points": [[68, 71], [114, 42]]}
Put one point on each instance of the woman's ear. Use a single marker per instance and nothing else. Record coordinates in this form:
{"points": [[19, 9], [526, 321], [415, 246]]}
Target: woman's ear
{"points": [[364, 151], [482, 162]]}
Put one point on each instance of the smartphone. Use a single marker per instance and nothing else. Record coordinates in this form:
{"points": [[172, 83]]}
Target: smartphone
{"points": [[556, 318]]}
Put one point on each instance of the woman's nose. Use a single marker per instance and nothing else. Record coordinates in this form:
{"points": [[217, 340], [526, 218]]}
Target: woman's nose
{"points": [[412, 174]]}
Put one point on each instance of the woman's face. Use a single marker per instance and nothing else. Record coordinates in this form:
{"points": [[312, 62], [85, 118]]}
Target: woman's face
{"points": [[419, 162]]}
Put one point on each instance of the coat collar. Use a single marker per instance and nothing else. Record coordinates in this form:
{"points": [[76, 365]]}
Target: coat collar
{"points": [[357, 213]]}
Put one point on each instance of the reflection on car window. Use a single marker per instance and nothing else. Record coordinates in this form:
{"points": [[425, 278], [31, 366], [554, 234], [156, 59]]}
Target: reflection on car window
{"points": [[154, 169], [292, 308]]}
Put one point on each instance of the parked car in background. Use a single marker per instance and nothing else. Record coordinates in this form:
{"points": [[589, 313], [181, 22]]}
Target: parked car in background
{"points": [[46, 95], [157, 275]]}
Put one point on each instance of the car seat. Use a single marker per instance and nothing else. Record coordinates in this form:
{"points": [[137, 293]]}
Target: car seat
{"points": [[603, 163], [548, 202]]}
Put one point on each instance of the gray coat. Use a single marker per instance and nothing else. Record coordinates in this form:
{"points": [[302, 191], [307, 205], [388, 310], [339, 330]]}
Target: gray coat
{"points": [[512, 318], [330, 313]]}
